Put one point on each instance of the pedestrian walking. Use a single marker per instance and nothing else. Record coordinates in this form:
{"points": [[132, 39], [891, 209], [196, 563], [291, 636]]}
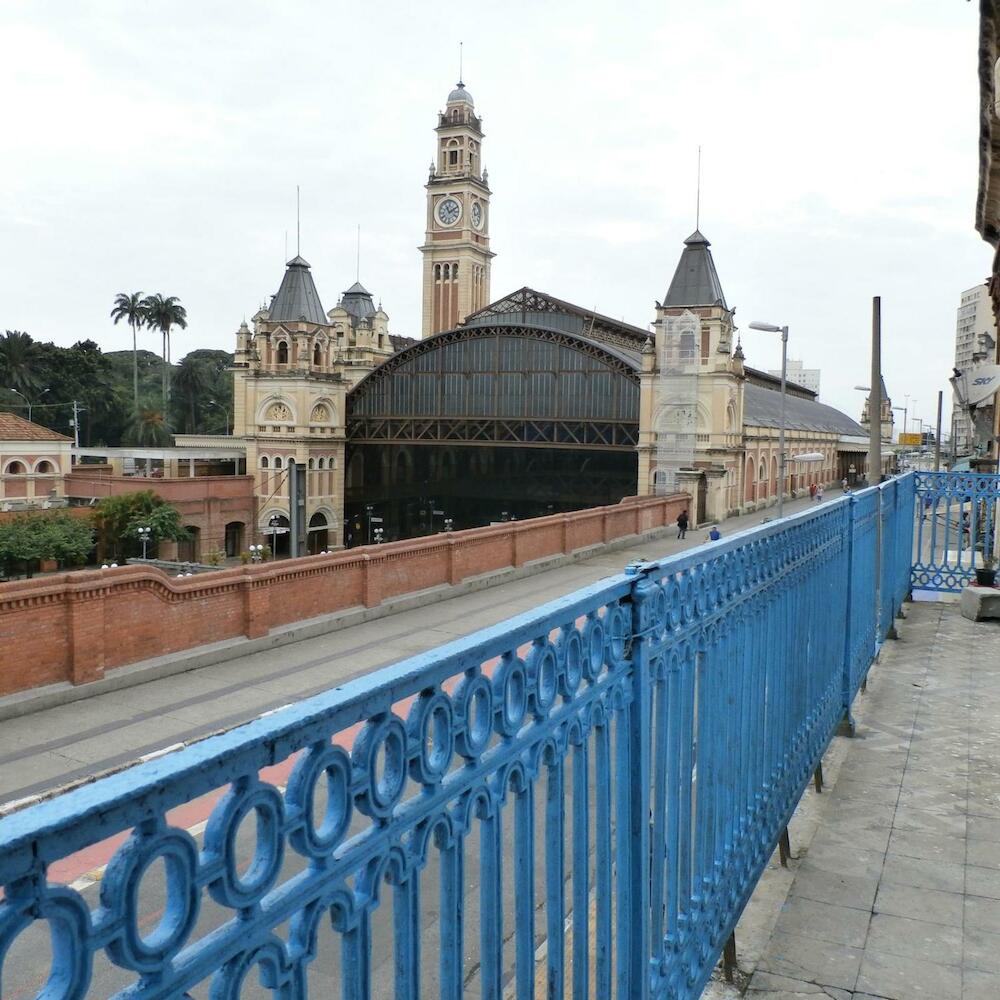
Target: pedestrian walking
{"points": [[819, 495], [812, 491], [844, 484], [682, 524], [715, 534]]}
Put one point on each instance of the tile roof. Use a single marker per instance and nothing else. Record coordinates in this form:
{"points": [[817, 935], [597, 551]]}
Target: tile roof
{"points": [[15, 428]]}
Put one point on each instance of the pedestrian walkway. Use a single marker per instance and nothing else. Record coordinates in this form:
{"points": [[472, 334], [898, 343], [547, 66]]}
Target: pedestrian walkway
{"points": [[897, 895]]}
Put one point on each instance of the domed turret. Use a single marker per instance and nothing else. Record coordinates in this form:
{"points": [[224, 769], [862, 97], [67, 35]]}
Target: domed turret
{"points": [[460, 95]]}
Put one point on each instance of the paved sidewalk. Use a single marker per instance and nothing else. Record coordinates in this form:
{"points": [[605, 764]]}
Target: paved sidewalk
{"points": [[898, 893]]}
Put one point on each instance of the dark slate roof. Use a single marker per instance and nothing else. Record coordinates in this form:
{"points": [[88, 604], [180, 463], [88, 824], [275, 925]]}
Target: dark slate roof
{"points": [[696, 282], [297, 299], [762, 408], [357, 300], [460, 94], [401, 343]]}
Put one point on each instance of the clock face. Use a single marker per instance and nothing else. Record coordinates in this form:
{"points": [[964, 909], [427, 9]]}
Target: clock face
{"points": [[477, 215], [449, 211]]}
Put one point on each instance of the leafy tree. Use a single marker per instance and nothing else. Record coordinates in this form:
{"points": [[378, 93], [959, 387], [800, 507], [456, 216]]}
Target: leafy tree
{"points": [[28, 540], [148, 428], [117, 518], [19, 363], [191, 384], [163, 313], [128, 306]]}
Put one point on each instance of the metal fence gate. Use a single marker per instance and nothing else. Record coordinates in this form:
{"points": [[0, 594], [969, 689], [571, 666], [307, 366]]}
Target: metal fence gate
{"points": [[956, 516]]}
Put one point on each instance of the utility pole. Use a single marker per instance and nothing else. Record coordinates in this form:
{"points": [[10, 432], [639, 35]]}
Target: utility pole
{"points": [[875, 398], [937, 435], [76, 424]]}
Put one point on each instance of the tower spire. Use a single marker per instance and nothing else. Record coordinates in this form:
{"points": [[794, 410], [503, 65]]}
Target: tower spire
{"points": [[461, 77], [298, 223], [697, 201], [357, 276]]}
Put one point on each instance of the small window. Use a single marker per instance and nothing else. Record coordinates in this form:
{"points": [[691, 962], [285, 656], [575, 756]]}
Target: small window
{"points": [[317, 356], [282, 353], [264, 462], [452, 157], [321, 463], [277, 462], [311, 463]]}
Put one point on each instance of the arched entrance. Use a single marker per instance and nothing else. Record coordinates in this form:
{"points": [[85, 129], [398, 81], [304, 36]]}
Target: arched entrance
{"points": [[189, 549], [276, 534], [234, 538], [319, 534]]}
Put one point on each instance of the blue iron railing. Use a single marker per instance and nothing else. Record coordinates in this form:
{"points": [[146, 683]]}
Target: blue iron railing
{"points": [[608, 774], [956, 526]]}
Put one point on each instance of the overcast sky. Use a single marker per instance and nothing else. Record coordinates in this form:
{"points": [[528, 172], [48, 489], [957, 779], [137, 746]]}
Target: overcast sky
{"points": [[157, 146]]}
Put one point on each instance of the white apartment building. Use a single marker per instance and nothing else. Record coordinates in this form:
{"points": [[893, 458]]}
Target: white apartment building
{"points": [[975, 341], [808, 378]]}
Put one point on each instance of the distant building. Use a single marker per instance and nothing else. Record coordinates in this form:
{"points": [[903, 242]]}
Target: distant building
{"points": [[33, 463], [887, 417], [808, 378], [975, 342]]}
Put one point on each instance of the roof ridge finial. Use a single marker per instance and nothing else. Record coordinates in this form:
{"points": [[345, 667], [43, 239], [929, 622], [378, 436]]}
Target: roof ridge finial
{"points": [[460, 74]]}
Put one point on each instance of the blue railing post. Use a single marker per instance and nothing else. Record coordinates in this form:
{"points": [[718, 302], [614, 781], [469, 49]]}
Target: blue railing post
{"points": [[846, 677], [644, 591]]}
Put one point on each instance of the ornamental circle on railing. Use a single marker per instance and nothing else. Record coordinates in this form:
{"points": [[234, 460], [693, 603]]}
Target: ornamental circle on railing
{"points": [[332, 764], [570, 646], [474, 705], [543, 671], [593, 648], [380, 759], [432, 728], [120, 895], [618, 632], [511, 687], [231, 888]]}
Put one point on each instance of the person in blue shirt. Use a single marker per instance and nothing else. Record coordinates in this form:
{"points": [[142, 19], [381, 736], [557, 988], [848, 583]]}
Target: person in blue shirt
{"points": [[715, 534]]}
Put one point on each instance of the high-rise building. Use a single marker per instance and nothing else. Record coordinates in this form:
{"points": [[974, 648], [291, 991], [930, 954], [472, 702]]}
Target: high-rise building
{"points": [[975, 342], [457, 242], [808, 378]]}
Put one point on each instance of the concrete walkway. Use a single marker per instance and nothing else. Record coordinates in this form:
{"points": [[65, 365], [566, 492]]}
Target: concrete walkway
{"points": [[898, 892]]}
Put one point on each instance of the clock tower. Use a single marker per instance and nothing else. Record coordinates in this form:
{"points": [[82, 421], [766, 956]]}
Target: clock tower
{"points": [[456, 249]]}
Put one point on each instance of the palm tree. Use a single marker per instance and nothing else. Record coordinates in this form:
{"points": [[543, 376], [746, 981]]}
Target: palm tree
{"points": [[191, 383], [19, 363], [163, 313], [130, 308], [149, 429]]}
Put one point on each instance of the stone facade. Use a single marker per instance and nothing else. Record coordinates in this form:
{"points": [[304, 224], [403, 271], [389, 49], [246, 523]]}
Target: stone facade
{"points": [[291, 377]]}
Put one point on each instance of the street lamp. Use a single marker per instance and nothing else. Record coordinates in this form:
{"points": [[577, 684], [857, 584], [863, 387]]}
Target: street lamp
{"points": [[378, 533], [783, 330], [144, 532], [28, 401], [225, 410], [448, 524], [256, 553]]}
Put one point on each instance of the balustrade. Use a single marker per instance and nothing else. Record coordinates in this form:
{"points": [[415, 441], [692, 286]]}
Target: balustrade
{"points": [[610, 772]]}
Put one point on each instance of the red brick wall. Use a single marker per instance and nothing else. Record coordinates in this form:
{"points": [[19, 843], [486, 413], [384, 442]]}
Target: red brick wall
{"points": [[74, 626]]}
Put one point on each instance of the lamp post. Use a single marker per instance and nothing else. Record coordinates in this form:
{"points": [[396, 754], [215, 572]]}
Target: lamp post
{"points": [[273, 524], [28, 401], [225, 410], [783, 330], [144, 532], [256, 553]]}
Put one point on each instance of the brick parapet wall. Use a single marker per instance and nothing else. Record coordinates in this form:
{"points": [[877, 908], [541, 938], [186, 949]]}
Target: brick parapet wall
{"points": [[75, 626]]}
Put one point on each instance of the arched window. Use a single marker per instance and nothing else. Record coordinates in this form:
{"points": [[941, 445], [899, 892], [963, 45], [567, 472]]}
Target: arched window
{"points": [[311, 463], [437, 272], [317, 356], [321, 463], [264, 462], [277, 462], [282, 353], [45, 468], [16, 469]]}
